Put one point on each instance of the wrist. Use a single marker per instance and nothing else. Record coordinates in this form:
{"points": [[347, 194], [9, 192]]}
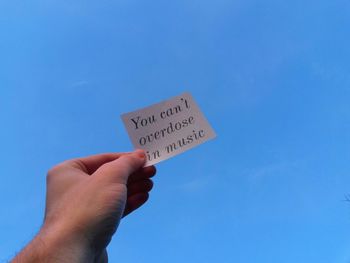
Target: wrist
{"points": [[56, 244]]}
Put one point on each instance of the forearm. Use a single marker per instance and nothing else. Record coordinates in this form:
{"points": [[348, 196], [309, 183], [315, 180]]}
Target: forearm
{"points": [[56, 246]]}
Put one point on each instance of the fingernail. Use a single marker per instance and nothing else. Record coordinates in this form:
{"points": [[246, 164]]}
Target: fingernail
{"points": [[140, 153]]}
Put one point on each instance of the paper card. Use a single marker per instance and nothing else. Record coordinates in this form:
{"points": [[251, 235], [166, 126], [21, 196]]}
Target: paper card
{"points": [[167, 128]]}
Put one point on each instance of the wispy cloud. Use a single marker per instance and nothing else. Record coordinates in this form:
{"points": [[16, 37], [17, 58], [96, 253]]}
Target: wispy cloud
{"points": [[197, 184], [271, 169], [79, 84]]}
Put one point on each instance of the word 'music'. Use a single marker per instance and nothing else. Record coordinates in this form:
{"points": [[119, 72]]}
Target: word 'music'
{"points": [[196, 135]]}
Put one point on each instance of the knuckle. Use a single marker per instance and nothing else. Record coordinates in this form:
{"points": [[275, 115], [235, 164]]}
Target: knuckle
{"points": [[51, 172], [54, 171]]}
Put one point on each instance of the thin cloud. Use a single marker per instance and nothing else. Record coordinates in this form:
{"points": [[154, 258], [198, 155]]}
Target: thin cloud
{"points": [[271, 169], [79, 84], [197, 184]]}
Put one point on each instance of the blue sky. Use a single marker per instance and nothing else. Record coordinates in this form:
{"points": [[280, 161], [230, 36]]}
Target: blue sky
{"points": [[272, 77]]}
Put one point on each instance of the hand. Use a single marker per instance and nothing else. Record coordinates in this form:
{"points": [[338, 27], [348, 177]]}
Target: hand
{"points": [[87, 197]]}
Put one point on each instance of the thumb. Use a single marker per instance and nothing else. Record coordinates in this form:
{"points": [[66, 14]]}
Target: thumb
{"points": [[118, 171]]}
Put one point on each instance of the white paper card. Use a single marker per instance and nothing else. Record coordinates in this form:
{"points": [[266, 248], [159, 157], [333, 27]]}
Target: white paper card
{"points": [[167, 128]]}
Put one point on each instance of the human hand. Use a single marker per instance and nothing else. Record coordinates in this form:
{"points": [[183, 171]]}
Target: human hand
{"points": [[87, 197]]}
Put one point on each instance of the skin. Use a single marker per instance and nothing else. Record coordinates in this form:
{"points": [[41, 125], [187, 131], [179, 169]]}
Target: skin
{"points": [[85, 201]]}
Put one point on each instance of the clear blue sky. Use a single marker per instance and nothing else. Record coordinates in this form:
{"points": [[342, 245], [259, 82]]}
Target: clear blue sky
{"points": [[272, 77]]}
